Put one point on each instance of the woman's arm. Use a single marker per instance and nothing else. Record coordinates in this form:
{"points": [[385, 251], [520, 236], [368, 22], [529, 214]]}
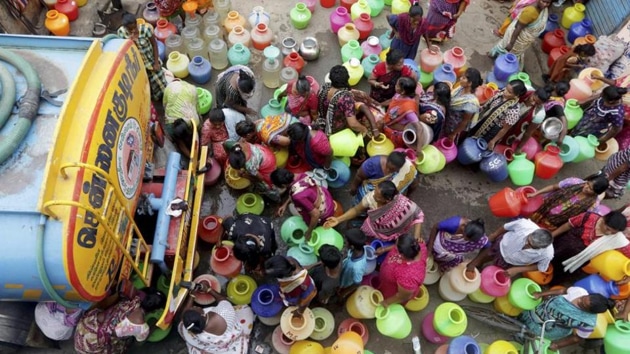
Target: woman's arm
{"points": [[603, 79], [499, 136], [517, 32], [564, 342], [402, 295], [417, 232], [547, 189], [348, 215], [315, 215], [432, 236], [611, 133], [512, 271], [462, 7], [358, 179], [528, 134], [373, 81], [356, 126], [562, 229], [156, 54], [365, 110], [466, 118], [619, 170]]}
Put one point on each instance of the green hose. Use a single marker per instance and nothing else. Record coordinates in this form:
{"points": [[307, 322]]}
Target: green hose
{"points": [[41, 267], [27, 108], [8, 94]]}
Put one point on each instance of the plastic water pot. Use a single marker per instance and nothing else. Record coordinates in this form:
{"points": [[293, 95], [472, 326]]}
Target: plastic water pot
{"points": [[573, 112], [297, 327], [380, 145], [210, 229], [348, 342], [494, 166], [321, 236], [611, 264], [306, 347], [354, 325], [503, 305], [479, 297], [448, 149], [430, 58], [541, 278], [501, 347], [447, 292], [429, 332], [587, 147], [579, 90], [223, 262], [240, 289], [595, 284], [548, 162], [569, 149], [345, 142], [324, 324], [463, 345], [303, 253], [505, 65], [292, 230], [521, 294], [420, 301], [506, 203], [470, 150], [617, 339], [521, 170], [532, 203], [363, 302], [494, 281], [266, 300], [393, 321], [450, 320]]}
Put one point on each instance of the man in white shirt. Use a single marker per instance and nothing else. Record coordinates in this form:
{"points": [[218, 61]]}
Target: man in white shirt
{"points": [[518, 246]]}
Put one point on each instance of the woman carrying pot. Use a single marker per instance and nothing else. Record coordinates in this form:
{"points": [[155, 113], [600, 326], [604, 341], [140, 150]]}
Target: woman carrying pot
{"points": [[314, 202], [454, 238], [302, 99]]}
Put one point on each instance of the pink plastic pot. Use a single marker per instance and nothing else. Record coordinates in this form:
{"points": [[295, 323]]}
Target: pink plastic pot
{"points": [[494, 282], [430, 333]]}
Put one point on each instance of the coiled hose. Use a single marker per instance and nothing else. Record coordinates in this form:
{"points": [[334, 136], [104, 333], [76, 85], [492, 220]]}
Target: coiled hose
{"points": [[27, 107], [7, 100]]}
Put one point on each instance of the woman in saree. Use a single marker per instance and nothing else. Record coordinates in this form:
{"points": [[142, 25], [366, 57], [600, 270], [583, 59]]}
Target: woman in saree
{"points": [[406, 31], [403, 110], [223, 328], [568, 198], [337, 106], [385, 75], [623, 137], [110, 330], [234, 87], [499, 114], [310, 145], [437, 103], [273, 130], [451, 240], [314, 202], [297, 288], [302, 99], [572, 237], [253, 161], [568, 314], [440, 23], [389, 214], [464, 105], [395, 167], [523, 31]]}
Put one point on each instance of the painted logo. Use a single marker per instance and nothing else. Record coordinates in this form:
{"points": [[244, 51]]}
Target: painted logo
{"points": [[129, 157]]}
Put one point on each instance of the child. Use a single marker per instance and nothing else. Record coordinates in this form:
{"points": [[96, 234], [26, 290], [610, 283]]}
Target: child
{"points": [[353, 267], [327, 275], [214, 133]]}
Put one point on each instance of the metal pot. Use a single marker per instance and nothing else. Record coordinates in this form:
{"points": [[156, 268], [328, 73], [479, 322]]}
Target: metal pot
{"points": [[551, 128], [309, 49], [289, 45]]}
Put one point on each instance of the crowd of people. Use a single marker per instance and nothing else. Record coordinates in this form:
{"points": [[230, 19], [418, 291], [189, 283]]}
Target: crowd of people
{"points": [[569, 220]]}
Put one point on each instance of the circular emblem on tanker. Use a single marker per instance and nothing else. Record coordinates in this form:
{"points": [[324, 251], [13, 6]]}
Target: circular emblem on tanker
{"points": [[129, 157]]}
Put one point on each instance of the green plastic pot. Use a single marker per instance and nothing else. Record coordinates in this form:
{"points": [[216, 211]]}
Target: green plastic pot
{"points": [[393, 321], [450, 320], [321, 236], [293, 230], [157, 334], [251, 203], [521, 294]]}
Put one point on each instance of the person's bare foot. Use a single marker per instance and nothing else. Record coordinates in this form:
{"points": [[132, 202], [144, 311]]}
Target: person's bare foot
{"points": [[497, 33]]}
